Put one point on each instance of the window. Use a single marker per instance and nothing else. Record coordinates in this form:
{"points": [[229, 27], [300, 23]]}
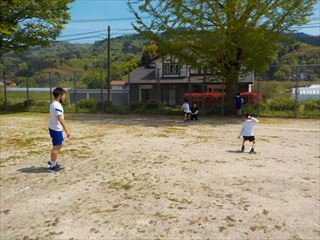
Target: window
{"points": [[170, 69]]}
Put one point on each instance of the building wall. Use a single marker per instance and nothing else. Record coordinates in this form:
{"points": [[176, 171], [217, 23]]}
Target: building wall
{"points": [[118, 97], [172, 94]]}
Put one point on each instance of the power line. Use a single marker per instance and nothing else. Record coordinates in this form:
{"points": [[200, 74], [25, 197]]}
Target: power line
{"points": [[73, 39], [101, 0], [106, 19], [78, 34]]}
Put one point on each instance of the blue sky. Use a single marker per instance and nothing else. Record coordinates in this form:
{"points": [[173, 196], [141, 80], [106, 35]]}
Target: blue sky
{"points": [[115, 9]]}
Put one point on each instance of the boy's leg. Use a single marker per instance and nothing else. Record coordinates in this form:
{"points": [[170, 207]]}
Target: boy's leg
{"points": [[253, 146], [242, 148], [54, 154]]}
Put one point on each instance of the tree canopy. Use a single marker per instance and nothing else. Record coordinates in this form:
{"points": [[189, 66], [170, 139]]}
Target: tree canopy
{"points": [[25, 23], [227, 36]]}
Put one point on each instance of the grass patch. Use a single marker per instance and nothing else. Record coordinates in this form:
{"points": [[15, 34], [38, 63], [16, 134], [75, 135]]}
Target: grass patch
{"points": [[120, 186]]}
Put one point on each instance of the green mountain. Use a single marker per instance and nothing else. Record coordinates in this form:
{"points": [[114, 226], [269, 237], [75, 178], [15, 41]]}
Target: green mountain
{"points": [[86, 61]]}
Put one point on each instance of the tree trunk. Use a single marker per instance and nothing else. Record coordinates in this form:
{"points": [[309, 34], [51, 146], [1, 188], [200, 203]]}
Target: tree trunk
{"points": [[232, 88]]}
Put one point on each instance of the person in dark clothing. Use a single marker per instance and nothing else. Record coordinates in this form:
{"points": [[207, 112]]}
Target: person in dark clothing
{"points": [[194, 111], [239, 102]]}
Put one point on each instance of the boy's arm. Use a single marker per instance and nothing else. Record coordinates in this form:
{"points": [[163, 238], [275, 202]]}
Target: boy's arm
{"points": [[255, 120], [64, 125], [241, 132]]}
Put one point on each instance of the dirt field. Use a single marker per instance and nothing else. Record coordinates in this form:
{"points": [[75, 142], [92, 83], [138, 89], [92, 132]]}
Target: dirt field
{"points": [[144, 177]]}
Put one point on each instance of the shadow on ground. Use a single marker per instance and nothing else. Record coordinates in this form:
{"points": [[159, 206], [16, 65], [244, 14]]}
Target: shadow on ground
{"points": [[36, 170], [234, 151]]}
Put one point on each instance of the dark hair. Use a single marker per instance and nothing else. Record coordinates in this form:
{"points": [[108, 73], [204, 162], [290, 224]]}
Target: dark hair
{"points": [[248, 114], [238, 94], [58, 91], [185, 100]]}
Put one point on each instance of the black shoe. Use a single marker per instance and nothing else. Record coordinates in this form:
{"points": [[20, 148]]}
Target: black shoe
{"points": [[252, 151], [242, 148]]}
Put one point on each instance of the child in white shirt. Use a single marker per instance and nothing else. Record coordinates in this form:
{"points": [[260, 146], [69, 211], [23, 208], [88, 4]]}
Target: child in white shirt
{"points": [[186, 110], [247, 132]]}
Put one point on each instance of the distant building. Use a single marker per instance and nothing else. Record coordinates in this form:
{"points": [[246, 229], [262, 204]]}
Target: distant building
{"points": [[307, 93], [174, 79], [118, 85], [11, 84]]}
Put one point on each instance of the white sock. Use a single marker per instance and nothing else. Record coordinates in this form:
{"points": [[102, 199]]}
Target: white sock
{"points": [[53, 163]]}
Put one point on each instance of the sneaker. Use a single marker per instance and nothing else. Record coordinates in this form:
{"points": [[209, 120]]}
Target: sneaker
{"points": [[252, 151], [242, 148], [49, 164], [52, 169]]}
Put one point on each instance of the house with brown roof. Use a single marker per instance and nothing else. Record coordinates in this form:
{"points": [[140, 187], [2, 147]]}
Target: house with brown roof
{"points": [[118, 85]]}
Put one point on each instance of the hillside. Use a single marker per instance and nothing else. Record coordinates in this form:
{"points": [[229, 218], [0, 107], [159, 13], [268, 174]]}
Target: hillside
{"points": [[65, 59]]}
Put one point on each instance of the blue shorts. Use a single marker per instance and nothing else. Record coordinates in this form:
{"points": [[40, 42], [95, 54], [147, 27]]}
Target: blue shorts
{"points": [[57, 137]]}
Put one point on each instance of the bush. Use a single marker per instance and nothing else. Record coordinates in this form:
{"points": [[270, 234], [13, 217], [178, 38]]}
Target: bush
{"points": [[251, 97], [312, 105], [106, 105], [136, 106], [214, 99], [88, 104], [29, 102], [282, 104], [42, 103], [116, 109], [151, 104]]}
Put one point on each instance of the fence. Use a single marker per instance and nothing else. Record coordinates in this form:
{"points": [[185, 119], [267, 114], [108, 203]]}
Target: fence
{"points": [[295, 93]]}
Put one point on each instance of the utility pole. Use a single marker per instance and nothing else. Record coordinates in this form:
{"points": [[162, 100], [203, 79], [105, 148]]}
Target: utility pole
{"points": [[27, 86], [258, 106], [75, 91], [101, 91], [129, 85], [204, 94], [50, 86], [5, 91], [158, 90], [108, 64], [189, 85], [296, 93]]}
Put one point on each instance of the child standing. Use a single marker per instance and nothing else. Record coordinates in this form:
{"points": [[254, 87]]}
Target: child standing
{"points": [[186, 109], [247, 132], [239, 102], [56, 126]]}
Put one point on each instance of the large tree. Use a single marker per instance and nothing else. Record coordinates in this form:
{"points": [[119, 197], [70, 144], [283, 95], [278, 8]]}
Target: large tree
{"points": [[229, 37], [25, 23]]}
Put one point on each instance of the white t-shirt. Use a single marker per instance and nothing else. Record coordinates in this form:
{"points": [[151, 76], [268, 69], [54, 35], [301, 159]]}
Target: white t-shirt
{"points": [[186, 108], [247, 127], [56, 110]]}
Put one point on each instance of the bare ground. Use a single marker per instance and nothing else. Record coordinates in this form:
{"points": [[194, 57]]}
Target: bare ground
{"points": [[148, 177]]}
